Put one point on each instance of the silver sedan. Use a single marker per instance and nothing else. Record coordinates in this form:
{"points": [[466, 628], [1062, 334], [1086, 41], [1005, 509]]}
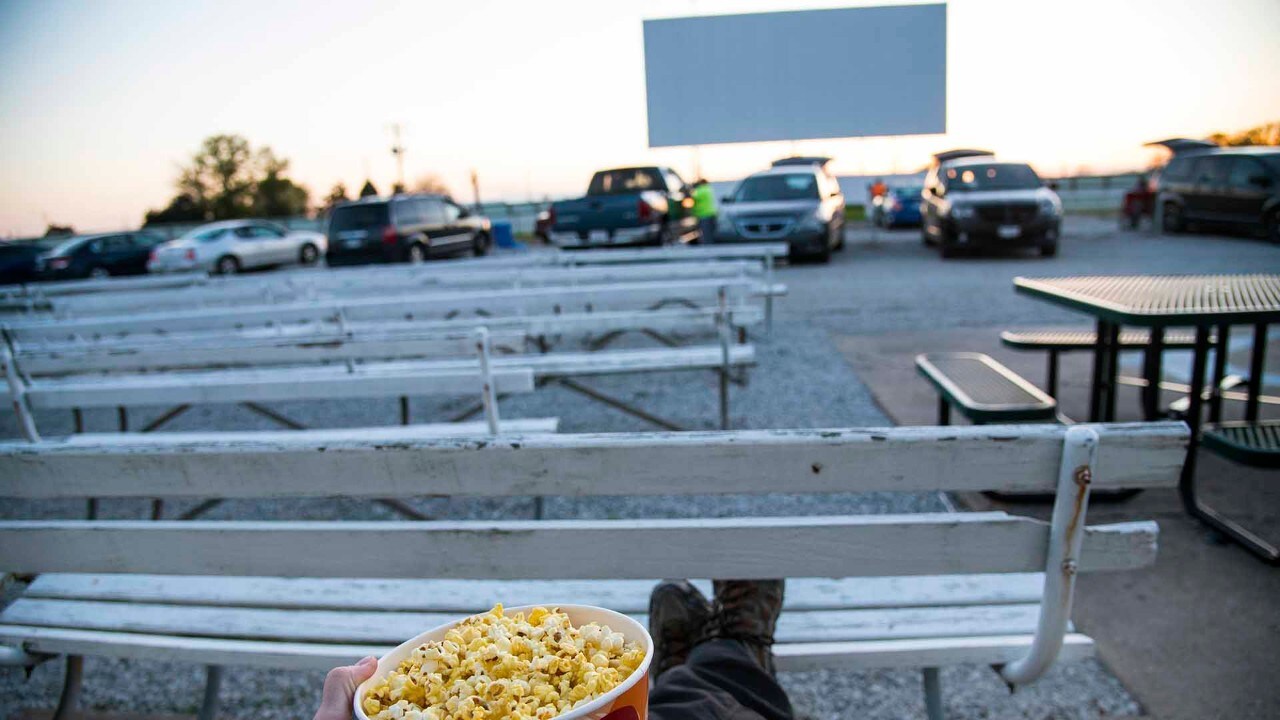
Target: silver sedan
{"points": [[229, 246]]}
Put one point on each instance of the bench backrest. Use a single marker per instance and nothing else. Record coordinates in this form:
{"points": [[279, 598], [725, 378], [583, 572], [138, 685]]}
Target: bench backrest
{"points": [[1008, 458], [317, 286], [436, 304]]}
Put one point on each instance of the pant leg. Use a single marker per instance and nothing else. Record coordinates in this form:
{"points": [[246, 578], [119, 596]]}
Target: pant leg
{"points": [[720, 681], [707, 226]]}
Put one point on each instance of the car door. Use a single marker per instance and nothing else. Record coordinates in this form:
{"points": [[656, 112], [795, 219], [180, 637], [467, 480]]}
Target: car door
{"points": [[279, 246], [114, 253], [1248, 187], [1207, 200], [445, 237], [251, 249]]}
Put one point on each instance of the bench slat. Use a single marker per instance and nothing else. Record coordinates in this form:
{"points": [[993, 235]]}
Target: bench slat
{"points": [[749, 548], [314, 656], [462, 596], [1071, 339], [391, 628], [512, 373], [1020, 458]]}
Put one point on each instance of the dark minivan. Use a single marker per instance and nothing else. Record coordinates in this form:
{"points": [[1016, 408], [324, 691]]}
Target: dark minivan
{"points": [[98, 256], [403, 228], [1221, 186]]}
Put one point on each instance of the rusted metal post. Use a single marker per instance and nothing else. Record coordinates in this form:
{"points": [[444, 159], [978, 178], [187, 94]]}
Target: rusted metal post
{"points": [[69, 701], [1066, 535], [488, 394]]}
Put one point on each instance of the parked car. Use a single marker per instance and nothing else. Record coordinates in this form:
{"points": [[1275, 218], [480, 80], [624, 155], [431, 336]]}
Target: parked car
{"points": [[1222, 186], [18, 259], [900, 207], [97, 256], [976, 201], [404, 228], [626, 206], [796, 203], [230, 246]]}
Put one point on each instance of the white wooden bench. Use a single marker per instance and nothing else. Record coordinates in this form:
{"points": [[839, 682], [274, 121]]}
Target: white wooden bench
{"points": [[438, 304], [910, 591]]}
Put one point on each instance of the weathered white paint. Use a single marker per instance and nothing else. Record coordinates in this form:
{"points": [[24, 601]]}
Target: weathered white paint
{"points": [[1014, 458], [925, 652], [923, 544], [314, 342], [464, 596], [17, 394], [435, 304], [392, 627], [315, 286], [512, 373]]}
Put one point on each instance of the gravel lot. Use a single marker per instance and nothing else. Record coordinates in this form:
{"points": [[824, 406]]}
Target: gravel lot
{"points": [[883, 282]]}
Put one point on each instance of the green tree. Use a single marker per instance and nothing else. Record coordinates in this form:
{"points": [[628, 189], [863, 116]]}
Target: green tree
{"points": [[182, 208], [368, 189], [275, 195], [221, 177], [1266, 134], [338, 194]]}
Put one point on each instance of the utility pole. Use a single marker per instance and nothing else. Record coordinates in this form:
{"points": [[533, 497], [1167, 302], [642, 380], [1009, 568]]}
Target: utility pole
{"points": [[475, 187], [397, 151]]}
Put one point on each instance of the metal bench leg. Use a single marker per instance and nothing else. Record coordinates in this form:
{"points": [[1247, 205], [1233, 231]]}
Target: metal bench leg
{"points": [[1052, 382], [944, 411], [932, 694], [1152, 371], [1219, 372], [212, 683], [69, 702]]}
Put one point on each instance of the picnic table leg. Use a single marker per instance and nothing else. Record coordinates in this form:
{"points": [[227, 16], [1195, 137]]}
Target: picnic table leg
{"points": [[1099, 363], [69, 701], [1152, 370], [212, 683], [1257, 357], [1113, 369], [1219, 372], [944, 411], [1052, 374], [404, 410], [932, 694], [122, 416]]}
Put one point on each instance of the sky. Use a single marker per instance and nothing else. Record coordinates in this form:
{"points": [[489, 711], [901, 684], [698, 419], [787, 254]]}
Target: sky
{"points": [[101, 102]]}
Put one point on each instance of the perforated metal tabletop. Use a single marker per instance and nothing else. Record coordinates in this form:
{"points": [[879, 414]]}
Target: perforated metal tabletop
{"points": [[1173, 300]]}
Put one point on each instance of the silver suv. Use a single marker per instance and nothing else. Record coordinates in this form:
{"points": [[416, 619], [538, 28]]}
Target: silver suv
{"points": [[796, 201]]}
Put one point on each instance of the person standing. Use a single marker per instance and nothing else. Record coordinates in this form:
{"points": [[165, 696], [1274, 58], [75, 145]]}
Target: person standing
{"points": [[704, 209]]}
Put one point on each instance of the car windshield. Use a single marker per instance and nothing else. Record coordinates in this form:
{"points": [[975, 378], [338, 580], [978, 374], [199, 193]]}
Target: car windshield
{"points": [[1272, 161], [623, 182], [203, 234], [358, 217], [992, 177], [778, 187]]}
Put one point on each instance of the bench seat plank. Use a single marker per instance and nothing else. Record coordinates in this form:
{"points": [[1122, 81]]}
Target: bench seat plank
{"points": [[748, 548], [983, 389], [391, 628], [462, 596], [1251, 443], [905, 459], [323, 656]]}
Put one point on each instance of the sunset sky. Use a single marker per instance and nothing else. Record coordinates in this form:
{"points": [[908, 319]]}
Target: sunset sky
{"points": [[101, 101]]}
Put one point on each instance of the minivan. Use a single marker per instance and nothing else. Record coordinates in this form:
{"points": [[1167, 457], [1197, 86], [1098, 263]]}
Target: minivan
{"points": [[1239, 187], [403, 228]]}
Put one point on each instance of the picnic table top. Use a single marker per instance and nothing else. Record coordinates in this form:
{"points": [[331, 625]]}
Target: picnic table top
{"points": [[1159, 300]]}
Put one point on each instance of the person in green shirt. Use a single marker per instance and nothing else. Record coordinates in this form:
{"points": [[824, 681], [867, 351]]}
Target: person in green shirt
{"points": [[704, 208]]}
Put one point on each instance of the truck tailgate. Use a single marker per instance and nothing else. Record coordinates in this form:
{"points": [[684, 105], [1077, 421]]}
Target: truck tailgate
{"points": [[601, 212]]}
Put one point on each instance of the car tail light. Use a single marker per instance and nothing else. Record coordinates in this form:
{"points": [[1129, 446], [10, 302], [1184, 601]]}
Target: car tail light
{"points": [[644, 209], [389, 236], [191, 254], [59, 263]]}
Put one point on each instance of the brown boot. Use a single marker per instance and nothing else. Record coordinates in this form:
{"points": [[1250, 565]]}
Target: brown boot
{"points": [[678, 616], [747, 610]]}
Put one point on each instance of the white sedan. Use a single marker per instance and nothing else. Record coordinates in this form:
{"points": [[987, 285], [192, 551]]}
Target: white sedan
{"points": [[230, 246]]}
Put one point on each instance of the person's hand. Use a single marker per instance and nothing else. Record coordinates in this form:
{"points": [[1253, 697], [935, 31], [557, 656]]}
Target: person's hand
{"points": [[340, 689]]}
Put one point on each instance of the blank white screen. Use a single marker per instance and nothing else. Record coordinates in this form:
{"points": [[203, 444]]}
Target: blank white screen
{"points": [[795, 75]]}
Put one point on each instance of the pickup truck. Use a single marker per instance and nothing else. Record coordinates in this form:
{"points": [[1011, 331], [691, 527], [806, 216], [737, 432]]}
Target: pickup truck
{"points": [[626, 206]]}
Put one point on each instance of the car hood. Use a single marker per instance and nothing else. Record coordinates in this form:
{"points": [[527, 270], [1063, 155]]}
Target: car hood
{"points": [[770, 207], [996, 196]]}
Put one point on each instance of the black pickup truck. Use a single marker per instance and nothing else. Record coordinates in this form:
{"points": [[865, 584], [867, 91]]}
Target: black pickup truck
{"points": [[626, 206]]}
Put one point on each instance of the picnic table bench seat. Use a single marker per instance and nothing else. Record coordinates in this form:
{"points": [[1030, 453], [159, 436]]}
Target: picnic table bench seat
{"points": [[982, 389], [1059, 340], [917, 590], [1256, 444]]}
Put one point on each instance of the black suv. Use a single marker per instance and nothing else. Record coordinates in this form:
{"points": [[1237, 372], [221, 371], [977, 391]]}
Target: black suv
{"points": [[1221, 186], [977, 201], [403, 228]]}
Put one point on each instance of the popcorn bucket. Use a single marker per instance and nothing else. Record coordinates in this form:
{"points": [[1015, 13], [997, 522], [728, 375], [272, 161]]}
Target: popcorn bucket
{"points": [[628, 701]]}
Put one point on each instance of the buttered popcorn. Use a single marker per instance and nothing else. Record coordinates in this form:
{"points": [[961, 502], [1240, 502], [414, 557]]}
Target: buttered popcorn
{"points": [[496, 665]]}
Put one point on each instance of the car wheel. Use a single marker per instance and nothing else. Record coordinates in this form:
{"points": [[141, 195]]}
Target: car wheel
{"points": [[99, 273], [480, 244], [309, 254], [839, 232], [227, 265], [1171, 220], [1049, 250], [417, 253]]}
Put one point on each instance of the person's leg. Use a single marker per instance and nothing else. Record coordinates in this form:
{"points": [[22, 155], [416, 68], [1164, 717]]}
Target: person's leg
{"points": [[721, 680]]}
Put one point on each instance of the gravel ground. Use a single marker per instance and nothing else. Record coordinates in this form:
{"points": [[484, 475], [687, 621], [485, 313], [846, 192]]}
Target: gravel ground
{"points": [[883, 282]]}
